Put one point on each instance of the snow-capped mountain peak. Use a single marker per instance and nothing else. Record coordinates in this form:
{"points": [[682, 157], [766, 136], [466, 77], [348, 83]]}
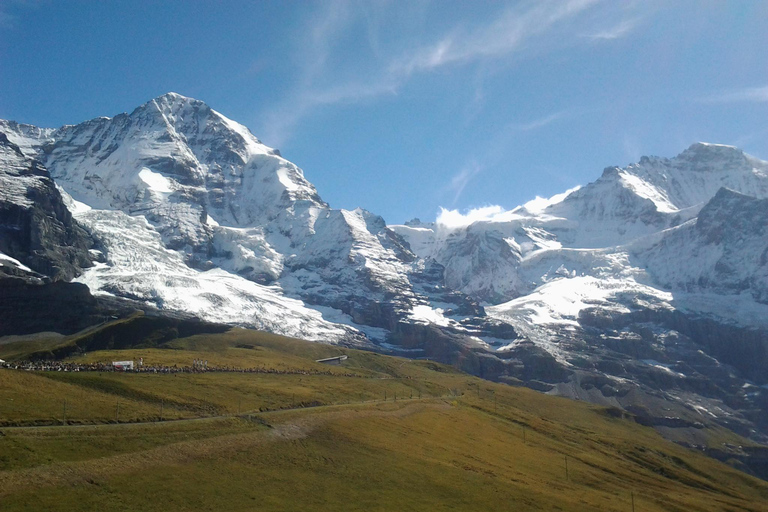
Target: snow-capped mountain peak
{"points": [[196, 122], [621, 207], [215, 197], [705, 156], [187, 210]]}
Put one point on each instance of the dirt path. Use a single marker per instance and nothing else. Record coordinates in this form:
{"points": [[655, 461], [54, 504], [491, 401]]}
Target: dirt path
{"points": [[284, 427], [196, 419]]}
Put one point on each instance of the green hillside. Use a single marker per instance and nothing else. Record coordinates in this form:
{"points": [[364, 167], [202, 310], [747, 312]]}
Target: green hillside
{"points": [[376, 433]]}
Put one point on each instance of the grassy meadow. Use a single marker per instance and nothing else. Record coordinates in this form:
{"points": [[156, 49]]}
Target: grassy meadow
{"points": [[376, 433]]}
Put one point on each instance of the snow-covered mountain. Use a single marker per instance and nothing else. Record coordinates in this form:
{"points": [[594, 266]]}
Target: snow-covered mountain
{"points": [[655, 274], [193, 213], [646, 289], [501, 258]]}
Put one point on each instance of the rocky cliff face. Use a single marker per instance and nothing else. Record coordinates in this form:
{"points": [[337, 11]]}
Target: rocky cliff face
{"points": [[35, 225]]}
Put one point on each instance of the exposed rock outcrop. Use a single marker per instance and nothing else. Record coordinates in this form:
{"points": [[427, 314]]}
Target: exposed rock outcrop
{"points": [[36, 227]]}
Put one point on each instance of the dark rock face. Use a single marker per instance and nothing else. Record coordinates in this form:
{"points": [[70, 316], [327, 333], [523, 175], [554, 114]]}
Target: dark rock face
{"points": [[137, 331], [27, 307], [524, 363], [39, 230], [637, 335], [706, 371], [750, 459]]}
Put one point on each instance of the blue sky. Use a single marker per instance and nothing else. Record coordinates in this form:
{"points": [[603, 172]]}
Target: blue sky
{"points": [[406, 107]]}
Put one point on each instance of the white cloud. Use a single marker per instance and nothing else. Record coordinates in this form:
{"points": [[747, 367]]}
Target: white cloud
{"points": [[453, 219], [539, 204], [745, 95]]}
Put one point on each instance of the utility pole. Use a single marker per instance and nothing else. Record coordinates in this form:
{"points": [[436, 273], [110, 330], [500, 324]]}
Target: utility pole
{"points": [[117, 412]]}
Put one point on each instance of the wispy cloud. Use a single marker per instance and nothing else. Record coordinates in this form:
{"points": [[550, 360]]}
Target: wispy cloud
{"points": [[454, 219], [538, 123], [496, 147], [326, 26], [749, 138], [6, 20], [281, 122], [460, 180], [499, 38], [744, 95], [615, 32], [318, 37], [632, 147], [495, 150], [507, 34]]}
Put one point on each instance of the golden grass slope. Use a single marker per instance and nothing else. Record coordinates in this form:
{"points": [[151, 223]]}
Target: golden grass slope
{"points": [[466, 444]]}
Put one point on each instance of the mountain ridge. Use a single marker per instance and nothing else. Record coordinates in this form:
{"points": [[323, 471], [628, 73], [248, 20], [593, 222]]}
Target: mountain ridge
{"points": [[191, 212]]}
